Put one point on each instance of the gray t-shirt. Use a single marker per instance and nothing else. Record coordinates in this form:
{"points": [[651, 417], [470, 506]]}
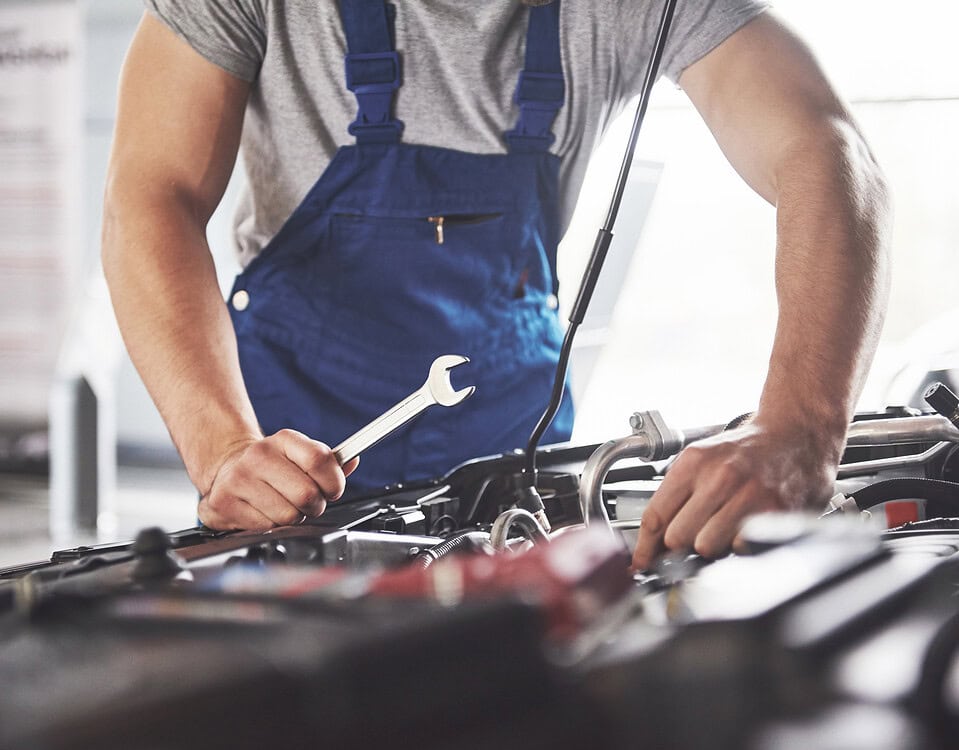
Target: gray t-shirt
{"points": [[460, 66]]}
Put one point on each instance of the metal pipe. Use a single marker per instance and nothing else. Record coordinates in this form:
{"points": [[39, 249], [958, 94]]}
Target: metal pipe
{"points": [[893, 431], [598, 465], [620, 524], [526, 522], [902, 430], [861, 468], [694, 434]]}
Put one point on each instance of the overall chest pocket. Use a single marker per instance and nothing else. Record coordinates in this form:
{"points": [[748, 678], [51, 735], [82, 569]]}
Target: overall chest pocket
{"points": [[422, 265]]}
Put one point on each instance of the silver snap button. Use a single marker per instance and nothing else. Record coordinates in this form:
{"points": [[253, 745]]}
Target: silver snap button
{"points": [[552, 302], [241, 300]]}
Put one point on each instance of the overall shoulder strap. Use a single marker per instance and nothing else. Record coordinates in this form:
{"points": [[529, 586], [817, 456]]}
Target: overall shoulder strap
{"points": [[541, 90], [372, 69]]}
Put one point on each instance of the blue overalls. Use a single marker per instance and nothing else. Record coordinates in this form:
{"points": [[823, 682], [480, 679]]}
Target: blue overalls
{"points": [[400, 253]]}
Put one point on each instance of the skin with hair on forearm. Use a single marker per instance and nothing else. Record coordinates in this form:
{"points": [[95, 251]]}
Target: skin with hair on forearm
{"points": [[177, 136], [793, 141]]}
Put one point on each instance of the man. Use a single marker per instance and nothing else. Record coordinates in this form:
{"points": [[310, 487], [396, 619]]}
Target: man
{"points": [[433, 227]]}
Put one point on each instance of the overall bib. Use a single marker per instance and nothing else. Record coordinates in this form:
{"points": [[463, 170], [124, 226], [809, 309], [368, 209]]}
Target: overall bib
{"points": [[401, 253]]}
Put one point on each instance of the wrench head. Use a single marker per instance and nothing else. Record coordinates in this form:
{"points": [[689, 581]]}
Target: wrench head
{"points": [[439, 380]]}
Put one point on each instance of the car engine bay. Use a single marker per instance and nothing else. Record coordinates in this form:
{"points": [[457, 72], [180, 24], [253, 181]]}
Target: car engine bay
{"points": [[440, 615]]}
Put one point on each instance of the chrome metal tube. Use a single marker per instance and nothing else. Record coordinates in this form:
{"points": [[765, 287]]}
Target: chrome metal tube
{"points": [[893, 431], [596, 468], [901, 430], [525, 520], [689, 435], [863, 468]]}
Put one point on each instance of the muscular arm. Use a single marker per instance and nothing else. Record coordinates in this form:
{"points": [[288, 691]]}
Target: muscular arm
{"points": [[176, 140], [791, 138]]}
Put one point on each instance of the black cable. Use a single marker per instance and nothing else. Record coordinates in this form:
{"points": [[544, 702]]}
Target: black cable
{"points": [[600, 247]]}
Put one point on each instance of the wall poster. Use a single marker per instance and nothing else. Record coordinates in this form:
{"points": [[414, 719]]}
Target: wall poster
{"points": [[41, 144]]}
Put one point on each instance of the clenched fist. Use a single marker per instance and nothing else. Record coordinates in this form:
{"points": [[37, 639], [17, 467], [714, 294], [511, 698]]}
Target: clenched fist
{"points": [[274, 481]]}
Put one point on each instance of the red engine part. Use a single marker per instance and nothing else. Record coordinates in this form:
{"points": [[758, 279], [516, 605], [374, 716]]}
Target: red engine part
{"points": [[573, 579]]}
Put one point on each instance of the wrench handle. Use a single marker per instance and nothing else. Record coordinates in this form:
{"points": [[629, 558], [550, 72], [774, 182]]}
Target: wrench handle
{"points": [[382, 426]]}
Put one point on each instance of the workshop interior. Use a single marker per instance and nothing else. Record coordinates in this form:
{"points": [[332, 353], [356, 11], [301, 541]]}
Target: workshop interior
{"points": [[492, 606]]}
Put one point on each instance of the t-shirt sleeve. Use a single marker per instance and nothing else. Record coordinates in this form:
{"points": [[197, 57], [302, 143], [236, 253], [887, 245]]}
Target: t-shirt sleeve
{"points": [[229, 33], [698, 27]]}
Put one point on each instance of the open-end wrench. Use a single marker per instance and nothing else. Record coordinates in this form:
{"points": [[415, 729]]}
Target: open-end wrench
{"points": [[436, 390]]}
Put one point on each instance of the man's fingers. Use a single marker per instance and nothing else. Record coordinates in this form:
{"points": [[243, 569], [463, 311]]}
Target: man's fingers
{"points": [[649, 542], [266, 479], [718, 533], [256, 490], [288, 482], [707, 498], [279, 508], [316, 460], [668, 499], [232, 514]]}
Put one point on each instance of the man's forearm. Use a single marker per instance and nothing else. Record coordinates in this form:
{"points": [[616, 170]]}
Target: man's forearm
{"points": [[832, 276], [174, 323], [831, 281], [178, 130]]}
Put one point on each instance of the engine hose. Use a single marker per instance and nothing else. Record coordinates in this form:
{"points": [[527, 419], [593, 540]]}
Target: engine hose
{"points": [[942, 498], [469, 541]]}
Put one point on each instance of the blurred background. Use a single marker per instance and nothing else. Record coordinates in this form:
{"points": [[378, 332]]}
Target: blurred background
{"points": [[684, 316]]}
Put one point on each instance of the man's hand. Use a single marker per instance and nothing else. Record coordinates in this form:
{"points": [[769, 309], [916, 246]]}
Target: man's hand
{"points": [[716, 483], [275, 481]]}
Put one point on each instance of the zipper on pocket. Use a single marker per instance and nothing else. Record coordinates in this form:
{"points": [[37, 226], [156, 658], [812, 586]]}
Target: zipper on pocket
{"points": [[441, 223], [438, 222]]}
